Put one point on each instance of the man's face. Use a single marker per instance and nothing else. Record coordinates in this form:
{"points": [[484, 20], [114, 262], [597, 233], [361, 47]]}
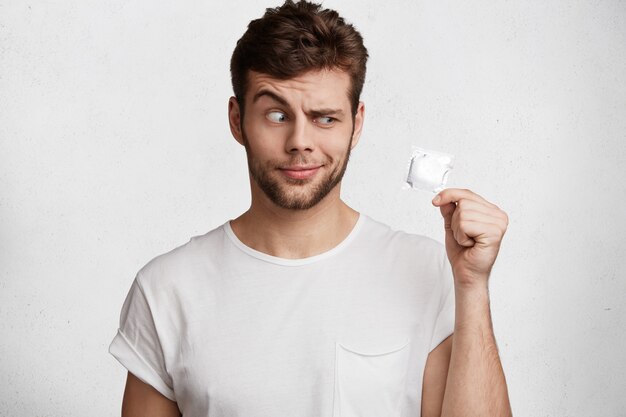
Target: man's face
{"points": [[298, 134]]}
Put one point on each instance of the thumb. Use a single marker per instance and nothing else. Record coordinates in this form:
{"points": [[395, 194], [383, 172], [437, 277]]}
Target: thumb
{"points": [[452, 247], [447, 210]]}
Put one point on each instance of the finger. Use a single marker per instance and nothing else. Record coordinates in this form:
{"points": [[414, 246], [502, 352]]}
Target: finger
{"points": [[489, 217], [447, 211], [459, 234], [466, 204], [451, 195], [485, 234], [497, 216]]}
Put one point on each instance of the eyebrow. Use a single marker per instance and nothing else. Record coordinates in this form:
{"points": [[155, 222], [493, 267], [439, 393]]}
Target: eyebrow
{"points": [[271, 95], [279, 99], [327, 112]]}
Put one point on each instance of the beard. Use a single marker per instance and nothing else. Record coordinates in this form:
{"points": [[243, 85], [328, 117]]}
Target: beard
{"points": [[293, 193]]}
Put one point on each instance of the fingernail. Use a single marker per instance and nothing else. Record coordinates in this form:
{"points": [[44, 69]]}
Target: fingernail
{"points": [[436, 199]]}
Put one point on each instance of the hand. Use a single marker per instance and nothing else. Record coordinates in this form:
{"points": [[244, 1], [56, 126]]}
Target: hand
{"points": [[474, 229]]}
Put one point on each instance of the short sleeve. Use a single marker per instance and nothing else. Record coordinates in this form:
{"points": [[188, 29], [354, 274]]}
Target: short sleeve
{"points": [[136, 345], [444, 324]]}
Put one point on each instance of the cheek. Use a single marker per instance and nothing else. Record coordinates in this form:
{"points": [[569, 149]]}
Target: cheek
{"points": [[262, 139], [338, 144], [260, 150]]}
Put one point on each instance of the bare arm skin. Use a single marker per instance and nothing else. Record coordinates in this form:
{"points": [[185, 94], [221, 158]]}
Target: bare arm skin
{"points": [[463, 375], [435, 375], [475, 385], [142, 400]]}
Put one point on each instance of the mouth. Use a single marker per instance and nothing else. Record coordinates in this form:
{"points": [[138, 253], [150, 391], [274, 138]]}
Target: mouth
{"points": [[300, 172]]}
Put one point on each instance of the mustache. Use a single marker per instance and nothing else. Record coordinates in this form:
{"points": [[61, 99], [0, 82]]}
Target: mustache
{"points": [[299, 160]]}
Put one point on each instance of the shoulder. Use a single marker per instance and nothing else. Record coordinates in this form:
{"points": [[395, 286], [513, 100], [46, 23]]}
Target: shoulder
{"points": [[402, 241], [181, 261]]}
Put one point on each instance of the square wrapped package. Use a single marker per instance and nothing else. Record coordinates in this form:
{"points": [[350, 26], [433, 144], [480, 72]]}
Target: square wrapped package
{"points": [[428, 170]]}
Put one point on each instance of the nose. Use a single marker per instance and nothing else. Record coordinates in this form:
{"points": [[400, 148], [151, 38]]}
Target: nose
{"points": [[299, 138]]}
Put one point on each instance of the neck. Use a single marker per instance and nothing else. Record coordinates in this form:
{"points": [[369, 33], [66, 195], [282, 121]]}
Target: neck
{"points": [[295, 234]]}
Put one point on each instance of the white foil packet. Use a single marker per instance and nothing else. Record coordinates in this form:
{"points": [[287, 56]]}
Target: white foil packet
{"points": [[428, 170]]}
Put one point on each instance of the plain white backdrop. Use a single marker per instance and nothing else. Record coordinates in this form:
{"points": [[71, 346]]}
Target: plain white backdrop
{"points": [[115, 148]]}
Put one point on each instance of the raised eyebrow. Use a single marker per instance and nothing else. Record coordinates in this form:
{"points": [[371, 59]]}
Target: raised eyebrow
{"points": [[279, 99], [271, 95]]}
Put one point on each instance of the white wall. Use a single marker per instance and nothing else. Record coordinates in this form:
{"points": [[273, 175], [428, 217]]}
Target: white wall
{"points": [[115, 148]]}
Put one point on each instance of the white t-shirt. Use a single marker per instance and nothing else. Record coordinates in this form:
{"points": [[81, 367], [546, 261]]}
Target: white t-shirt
{"points": [[228, 331]]}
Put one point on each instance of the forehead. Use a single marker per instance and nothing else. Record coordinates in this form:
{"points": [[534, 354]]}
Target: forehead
{"points": [[318, 87]]}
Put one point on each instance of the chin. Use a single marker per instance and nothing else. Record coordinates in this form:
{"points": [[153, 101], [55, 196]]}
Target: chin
{"points": [[304, 199]]}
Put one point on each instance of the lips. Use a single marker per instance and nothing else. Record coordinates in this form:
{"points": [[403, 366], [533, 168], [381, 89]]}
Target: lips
{"points": [[300, 172]]}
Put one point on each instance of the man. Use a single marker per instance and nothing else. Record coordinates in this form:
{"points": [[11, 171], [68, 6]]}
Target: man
{"points": [[302, 306]]}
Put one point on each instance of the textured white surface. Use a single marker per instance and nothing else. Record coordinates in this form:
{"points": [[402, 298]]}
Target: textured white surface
{"points": [[114, 147]]}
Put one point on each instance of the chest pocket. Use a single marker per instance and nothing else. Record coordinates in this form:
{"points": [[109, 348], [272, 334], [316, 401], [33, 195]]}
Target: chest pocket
{"points": [[370, 383]]}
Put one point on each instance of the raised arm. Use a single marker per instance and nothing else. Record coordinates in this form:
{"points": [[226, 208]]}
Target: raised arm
{"points": [[475, 383]]}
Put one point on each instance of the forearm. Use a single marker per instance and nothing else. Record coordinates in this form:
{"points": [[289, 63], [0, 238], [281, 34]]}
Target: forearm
{"points": [[476, 386]]}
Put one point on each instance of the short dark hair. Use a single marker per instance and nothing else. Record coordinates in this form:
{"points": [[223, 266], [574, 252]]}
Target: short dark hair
{"points": [[296, 38]]}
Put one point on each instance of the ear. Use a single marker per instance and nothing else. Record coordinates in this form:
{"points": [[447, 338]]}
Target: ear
{"points": [[234, 119], [358, 124]]}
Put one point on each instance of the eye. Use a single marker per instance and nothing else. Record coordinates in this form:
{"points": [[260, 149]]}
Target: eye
{"points": [[276, 116], [325, 120]]}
